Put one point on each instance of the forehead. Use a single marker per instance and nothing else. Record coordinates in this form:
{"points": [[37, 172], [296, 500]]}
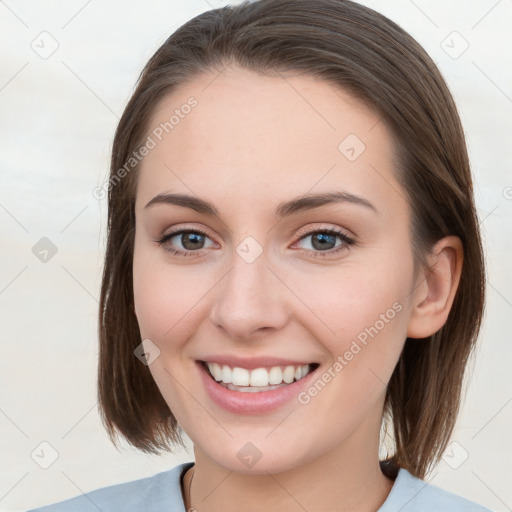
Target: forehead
{"points": [[269, 136]]}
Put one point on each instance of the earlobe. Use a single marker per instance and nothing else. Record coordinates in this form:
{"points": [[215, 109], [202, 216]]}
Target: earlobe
{"points": [[433, 297]]}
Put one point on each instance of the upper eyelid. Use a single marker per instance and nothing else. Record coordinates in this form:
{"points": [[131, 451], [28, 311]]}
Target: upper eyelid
{"points": [[301, 232], [328, 227]]}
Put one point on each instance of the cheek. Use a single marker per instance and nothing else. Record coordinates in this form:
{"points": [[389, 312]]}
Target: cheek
{"points": [[167, 299], [366, 314], [360, 312], [348, 299]]}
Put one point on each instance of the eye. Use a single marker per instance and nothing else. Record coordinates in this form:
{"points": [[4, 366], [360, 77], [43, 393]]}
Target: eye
{"points": [[191, 240], [323, 242]]}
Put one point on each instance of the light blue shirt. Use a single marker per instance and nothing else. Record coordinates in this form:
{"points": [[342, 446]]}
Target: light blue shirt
{"points": [[162, 493]]}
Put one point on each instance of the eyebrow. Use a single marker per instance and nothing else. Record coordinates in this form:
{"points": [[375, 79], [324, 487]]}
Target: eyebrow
{"points": [[284, 209]]}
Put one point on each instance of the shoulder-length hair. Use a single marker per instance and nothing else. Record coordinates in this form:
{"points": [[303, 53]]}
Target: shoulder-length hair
{"points": [[364, 53]]}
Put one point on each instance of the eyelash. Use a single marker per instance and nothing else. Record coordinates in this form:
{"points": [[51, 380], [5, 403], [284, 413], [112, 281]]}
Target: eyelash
{"points": [[347, 241]]}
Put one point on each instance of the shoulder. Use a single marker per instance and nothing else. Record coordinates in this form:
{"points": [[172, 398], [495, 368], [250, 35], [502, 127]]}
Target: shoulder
{"points": [[160, 491], [411, 494]]}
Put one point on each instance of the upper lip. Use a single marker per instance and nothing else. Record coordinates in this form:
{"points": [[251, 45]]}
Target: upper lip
{"points": [[254, 362]]}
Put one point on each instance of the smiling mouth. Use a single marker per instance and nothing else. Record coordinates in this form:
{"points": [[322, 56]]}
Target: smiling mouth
{"points": [[258, 379]]}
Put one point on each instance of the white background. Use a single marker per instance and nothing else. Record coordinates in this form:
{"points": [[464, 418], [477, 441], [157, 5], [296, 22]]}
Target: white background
{"points": [[58, 116]]}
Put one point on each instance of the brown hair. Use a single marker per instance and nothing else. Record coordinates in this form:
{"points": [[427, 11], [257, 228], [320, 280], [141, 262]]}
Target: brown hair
{"points": [[369, 56]]}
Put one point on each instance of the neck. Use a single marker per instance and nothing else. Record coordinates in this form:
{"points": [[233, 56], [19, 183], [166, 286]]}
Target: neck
{"points": [[344, 479]]}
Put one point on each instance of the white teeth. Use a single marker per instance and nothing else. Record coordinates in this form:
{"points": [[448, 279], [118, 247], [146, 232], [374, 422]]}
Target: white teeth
{"points": [[226, 375], [288, 374], [240, 377], [259, 377], [275, 375], [249, 389], [215, 371]]}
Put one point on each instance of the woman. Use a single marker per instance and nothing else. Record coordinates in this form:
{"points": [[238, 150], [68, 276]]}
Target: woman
{"points": [[293, 262]]}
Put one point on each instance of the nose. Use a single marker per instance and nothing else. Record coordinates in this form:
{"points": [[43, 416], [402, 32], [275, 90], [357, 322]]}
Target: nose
{"points": [[250, 300]]}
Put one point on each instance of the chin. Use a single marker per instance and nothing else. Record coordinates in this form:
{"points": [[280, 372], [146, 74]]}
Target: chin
{"points": [[255, 458]]}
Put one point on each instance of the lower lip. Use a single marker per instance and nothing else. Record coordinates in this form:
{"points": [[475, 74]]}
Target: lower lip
{"points": [[251, 403]]}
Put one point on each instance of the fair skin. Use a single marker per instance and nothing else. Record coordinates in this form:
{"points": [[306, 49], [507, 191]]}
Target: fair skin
{"points": [[251, 143]]}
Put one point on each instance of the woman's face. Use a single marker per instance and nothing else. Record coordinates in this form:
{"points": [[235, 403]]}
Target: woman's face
{"points": [[266, 286]]}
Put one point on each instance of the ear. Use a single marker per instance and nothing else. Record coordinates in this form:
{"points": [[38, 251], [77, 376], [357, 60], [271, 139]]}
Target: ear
{"points": [[435, 289]]}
